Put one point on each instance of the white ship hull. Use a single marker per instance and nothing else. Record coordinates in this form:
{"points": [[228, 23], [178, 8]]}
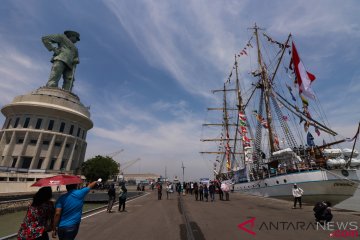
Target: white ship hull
{"points": [[318, 185]]}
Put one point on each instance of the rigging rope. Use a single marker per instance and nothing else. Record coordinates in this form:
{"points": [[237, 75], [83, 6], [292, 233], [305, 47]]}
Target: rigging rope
{"points": [[285, 127]]}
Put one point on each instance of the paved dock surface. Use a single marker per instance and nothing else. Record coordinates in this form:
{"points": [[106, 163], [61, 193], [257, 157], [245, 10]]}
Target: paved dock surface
{"points": [[243, 217]]}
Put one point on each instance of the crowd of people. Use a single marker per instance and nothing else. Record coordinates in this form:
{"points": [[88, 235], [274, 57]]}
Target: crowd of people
{"points": [[202, 191], [63, 218]]}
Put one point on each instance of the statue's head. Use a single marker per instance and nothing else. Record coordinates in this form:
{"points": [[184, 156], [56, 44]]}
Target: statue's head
{"points": [[70, 34]]}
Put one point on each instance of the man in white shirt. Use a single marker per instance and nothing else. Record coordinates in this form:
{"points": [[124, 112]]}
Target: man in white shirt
{"points": [[297, 193]]}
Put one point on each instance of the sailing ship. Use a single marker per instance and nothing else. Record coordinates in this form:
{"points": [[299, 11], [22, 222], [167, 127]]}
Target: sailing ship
{"points": [[274, 132]]}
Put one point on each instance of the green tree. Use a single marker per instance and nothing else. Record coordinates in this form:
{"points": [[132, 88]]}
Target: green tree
{"points": [[99, 167]]}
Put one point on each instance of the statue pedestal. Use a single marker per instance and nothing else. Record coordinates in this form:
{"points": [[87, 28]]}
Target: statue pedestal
{"points": [[44, 132]]}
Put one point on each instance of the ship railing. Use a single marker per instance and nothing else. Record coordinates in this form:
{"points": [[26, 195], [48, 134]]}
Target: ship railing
{"points": [[283, 171]]}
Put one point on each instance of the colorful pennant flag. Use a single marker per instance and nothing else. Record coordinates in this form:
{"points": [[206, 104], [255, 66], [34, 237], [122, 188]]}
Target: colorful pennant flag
{"points": [[306, 126], [242, 123], [245, 139], [310, 139], [304, 100], [301, 119], [264, 123], [276, 141]]}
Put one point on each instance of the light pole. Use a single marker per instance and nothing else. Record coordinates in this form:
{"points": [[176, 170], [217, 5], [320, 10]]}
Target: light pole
{"points": [[183, 168]]}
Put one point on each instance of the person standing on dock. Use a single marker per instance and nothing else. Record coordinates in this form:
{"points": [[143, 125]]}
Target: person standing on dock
{"points": [[206, 192], [178, 188], [297, 193], [212, 191], [159, 188], [168, 190], [201, 192], [196, 191], [111, 193], [68, 210], [122, 198], [221, 193]]}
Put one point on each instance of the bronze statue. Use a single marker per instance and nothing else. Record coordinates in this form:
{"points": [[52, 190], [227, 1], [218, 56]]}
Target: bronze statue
{"points": [[65, 58]]}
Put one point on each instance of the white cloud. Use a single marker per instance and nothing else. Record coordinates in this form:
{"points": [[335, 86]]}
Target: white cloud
{"points": [[18, 72], [160, 144], [195, 42]]}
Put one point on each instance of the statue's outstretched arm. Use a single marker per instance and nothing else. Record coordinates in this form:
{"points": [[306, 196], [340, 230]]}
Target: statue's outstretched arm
{"points": [[49, 40]]}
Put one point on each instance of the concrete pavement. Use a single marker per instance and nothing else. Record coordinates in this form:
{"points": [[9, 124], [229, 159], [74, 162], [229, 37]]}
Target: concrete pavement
{"points": [[243, 217]]}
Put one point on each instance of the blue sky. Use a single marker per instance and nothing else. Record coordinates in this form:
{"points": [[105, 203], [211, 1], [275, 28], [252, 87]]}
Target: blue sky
{"points": [[147, 67]]}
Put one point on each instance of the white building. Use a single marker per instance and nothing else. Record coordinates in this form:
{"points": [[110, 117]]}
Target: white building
{"points": [[141, 177], [44, 132]]}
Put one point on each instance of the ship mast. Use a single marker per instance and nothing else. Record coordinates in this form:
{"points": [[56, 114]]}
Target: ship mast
{"points": [[225, 139], [266, 86], [353, 148], [239, 104], [227, 136]]}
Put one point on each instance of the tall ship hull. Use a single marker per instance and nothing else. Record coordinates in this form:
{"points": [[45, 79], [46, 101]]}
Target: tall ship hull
{"points": [[332, 185], [274, 132]]}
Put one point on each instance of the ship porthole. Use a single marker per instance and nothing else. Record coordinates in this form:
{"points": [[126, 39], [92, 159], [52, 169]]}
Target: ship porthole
{"points": [[345, 172], [285, 181]]}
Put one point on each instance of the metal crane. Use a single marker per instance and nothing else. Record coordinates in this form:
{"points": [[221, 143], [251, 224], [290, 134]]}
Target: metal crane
{"points": [[125, 165], [112, 155]]}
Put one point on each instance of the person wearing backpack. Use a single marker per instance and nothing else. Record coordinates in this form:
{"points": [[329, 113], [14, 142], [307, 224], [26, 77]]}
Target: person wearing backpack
{"points": [[297, 193], [122, 198]]}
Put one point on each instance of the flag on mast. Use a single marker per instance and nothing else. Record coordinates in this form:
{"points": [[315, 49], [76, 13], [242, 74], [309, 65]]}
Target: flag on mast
{"points": [[303, 78], [310, 139]]}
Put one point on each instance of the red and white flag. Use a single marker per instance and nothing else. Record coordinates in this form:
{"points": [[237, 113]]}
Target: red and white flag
{"points": [[304, 78]]}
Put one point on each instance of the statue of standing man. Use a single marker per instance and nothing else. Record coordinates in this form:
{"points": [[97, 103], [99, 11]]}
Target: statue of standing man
{"points": [[65, 58]]}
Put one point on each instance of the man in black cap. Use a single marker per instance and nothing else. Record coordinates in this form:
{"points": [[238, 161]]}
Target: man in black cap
{"points": [[65, 58]]}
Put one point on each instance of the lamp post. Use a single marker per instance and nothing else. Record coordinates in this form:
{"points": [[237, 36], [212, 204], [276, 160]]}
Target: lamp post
{"points": [[183, 185], [183, 168]]}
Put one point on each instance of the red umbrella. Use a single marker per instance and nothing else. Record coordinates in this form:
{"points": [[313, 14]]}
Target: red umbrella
{"points": [[57, 180]]}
